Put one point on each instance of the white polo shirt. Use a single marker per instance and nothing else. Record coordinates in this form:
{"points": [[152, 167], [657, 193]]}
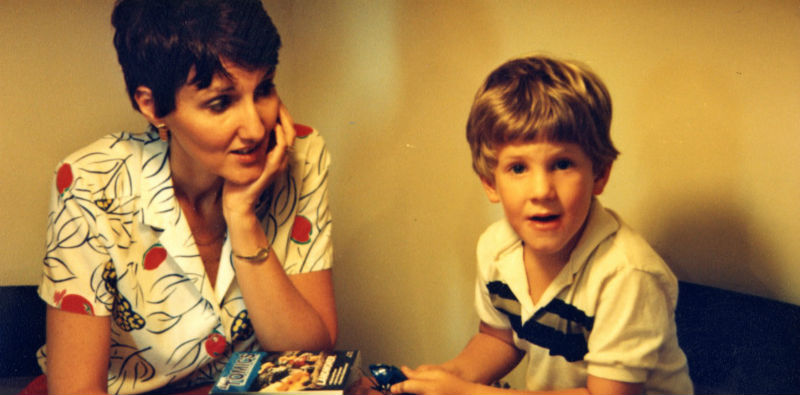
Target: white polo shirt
{"points": [[609, 312]]}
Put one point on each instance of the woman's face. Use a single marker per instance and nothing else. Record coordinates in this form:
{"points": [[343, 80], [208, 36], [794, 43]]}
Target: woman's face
{"points": [[224, 129]]}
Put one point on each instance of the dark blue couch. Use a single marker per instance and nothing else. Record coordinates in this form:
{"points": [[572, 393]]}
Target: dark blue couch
{"points": [[735, 343]]}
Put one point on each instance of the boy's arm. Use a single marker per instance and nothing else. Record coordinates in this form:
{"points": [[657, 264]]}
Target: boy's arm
{"points": [[436, 382], [488, 356]]}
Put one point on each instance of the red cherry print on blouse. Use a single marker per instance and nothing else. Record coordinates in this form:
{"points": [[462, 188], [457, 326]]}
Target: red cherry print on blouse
{"points": [[302, 130], [58, 295], [215, 345], [301, 230], [63, 178], [154, 256], [76, 304]]}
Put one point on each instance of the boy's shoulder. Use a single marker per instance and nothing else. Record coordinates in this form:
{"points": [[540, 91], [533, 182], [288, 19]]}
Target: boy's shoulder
{"points": [[626, 251], [628, 248], [496, 239]]}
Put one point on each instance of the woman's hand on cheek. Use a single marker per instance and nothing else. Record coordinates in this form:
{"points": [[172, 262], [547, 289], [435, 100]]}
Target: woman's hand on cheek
{"points": [[285, 135], [432, 380], [241, 198]]}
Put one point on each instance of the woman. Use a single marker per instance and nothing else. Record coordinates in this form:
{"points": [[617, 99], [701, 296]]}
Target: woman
{"points": [[209, 233]]}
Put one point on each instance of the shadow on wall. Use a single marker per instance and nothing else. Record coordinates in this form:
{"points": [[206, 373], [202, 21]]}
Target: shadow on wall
{"points": [[710, 242], [691, 161]]}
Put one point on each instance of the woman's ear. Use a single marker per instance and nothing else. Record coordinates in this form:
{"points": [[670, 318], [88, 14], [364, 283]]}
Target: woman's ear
{"points": [[491, 191], [143, 97], [601, 180]]}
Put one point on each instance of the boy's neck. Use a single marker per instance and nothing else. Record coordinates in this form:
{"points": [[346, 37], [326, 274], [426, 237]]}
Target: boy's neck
{"points": [[541, 271]]}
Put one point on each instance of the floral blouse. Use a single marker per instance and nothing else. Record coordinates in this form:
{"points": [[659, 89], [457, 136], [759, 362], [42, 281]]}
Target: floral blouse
{"points": [[118, 245]]}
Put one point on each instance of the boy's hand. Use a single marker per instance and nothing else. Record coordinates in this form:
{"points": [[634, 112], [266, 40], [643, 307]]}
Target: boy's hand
{"points": [[432, 379]]}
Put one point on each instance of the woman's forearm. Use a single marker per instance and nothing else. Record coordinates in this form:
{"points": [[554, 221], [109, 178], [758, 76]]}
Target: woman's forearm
{"points": [[282, 316]]}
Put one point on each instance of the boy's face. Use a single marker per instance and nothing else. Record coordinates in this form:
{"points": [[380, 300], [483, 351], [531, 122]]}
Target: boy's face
{"points": [[546, 189]]}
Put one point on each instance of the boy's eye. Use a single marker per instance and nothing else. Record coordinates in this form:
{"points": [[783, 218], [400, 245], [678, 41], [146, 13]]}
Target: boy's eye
{"points": [[219, 104], [562, 164], [517, 168]]}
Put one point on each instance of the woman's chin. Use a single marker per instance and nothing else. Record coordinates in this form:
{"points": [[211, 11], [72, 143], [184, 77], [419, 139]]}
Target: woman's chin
{"points": [[243, 176], [240, 180]]}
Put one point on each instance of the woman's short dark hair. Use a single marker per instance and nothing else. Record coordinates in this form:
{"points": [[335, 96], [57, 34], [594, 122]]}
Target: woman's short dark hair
{"points": [[158, 42]]}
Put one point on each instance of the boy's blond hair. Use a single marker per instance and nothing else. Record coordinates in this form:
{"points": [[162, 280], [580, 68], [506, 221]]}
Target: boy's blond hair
{"points": [[538, 97]]}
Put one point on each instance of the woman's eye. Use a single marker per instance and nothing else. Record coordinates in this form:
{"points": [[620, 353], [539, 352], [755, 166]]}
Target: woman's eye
{"points": [[562, 164], [265, 89], [219, 104]]}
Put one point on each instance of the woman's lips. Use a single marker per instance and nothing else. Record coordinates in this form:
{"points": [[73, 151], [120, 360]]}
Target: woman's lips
{"points": [[245, 151], [248, 155]]}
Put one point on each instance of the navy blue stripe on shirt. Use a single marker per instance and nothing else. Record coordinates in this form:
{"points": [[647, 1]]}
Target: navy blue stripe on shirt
{"points": [[572, 346], [570, 313], [501, 289]]}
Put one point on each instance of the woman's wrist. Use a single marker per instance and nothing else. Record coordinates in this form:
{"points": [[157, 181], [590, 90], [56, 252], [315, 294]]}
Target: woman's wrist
{"points": [[244, 221], [259, 256], [249, 242]]}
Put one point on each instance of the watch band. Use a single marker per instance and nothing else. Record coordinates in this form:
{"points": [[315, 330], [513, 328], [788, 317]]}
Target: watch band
{"points": [[260, 256]]}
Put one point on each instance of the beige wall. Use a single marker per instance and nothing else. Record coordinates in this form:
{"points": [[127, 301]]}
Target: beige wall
{"points": [[706, 116]]}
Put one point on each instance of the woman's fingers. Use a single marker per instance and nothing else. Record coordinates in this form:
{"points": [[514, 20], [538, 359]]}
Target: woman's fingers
{"points": [[285, 135], [287, 124]]}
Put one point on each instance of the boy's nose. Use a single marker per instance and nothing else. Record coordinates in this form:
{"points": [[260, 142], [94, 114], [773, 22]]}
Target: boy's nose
{"points": [[541, 187]]}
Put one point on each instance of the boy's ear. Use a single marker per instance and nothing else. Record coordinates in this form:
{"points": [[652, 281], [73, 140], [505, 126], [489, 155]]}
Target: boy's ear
{"points": [[143, 97], [491, 192], [601, 180]]}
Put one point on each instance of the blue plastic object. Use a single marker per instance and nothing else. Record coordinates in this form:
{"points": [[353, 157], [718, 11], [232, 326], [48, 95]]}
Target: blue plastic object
{"points": [[386, 376]]}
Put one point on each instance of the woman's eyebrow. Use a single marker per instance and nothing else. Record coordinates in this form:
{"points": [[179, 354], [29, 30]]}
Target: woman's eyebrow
{"points": [[268, 77], [221, 87]]}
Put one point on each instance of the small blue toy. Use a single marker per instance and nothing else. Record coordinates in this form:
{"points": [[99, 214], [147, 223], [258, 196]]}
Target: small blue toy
{"points": [[386, 376]]}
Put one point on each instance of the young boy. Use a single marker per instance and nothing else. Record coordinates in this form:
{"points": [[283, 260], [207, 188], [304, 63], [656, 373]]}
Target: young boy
{"points": [[560, 278]]}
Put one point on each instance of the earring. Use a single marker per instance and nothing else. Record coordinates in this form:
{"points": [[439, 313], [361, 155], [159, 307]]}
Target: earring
{"points": [[163, 132]]}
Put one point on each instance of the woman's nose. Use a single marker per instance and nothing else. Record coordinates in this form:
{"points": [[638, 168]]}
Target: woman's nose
{"points": [[251, 126]]}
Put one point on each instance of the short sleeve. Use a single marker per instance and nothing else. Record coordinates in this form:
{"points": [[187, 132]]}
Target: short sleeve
{"points": [[485, 308], [75, 252], [309, 246], [632, 323], [484, 303]]}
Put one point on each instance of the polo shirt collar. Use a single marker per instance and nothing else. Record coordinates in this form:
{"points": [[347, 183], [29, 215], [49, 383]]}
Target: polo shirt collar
{"points": [[600, 225], [510, 265]]}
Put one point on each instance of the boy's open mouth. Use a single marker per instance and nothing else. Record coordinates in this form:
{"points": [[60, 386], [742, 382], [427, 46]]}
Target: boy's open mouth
{"points": [[544, 218]]}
